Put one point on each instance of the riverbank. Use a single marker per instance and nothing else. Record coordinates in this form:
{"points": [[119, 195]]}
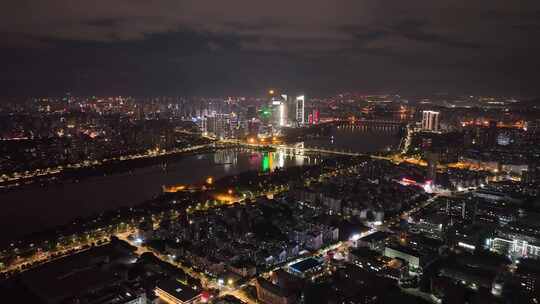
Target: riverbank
{"points": [[103, 168], [27, 251], [34, 207]]}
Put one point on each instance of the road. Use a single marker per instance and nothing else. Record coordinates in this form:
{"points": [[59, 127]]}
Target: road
{"points": [[168, 259], [48, 256], [16, 176], [293, 148], [206, 283], [209, 283]]}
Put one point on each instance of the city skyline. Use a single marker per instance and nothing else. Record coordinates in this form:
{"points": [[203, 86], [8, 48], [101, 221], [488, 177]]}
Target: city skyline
{"points": [[278, 152]]}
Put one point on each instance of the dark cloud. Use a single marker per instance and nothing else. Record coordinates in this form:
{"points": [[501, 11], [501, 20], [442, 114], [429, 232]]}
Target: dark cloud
{"points": [[214, 47]]}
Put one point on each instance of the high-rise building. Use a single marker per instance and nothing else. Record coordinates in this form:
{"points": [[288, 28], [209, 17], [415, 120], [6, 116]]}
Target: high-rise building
{"points": [[490, 134], [300, 103], [316, 115], [218, 125], [251, 112], [282, 122], [432, 160], [430, 121], [532, 126], [532, 175], [279, 111]]}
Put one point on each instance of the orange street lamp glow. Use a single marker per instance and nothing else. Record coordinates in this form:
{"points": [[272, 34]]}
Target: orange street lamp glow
{"points": [[271, 92]]}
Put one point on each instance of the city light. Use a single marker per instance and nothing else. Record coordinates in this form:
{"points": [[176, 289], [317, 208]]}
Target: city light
{"points": [[355, 237], [238, 161], [466, 246]]}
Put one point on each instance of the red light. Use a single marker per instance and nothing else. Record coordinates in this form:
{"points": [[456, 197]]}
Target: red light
{"points": [[408, 181], [205, 296]]}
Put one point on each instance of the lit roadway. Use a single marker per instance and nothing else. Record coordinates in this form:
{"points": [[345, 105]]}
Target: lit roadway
{"points": [[56, 170], [239, 292], [44, 257], [207, 283], [224, 290], [143, 249], [293, 148], [390, 223]]}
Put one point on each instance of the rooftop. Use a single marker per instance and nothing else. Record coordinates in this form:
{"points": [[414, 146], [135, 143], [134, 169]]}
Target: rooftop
{"points": [[178, 290], [305, 265], [375, 237]]}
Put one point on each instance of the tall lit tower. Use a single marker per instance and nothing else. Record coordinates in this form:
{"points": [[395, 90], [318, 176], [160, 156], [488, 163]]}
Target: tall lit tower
{"points": [[279, 110], [282, 114], [300, 100], [430, 121]]}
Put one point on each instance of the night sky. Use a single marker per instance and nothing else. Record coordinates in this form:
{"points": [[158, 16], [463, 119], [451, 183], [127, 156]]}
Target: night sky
{"points": [[233, 47]]}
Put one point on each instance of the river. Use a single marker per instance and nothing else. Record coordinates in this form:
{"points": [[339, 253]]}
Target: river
{"points": [[33, 208]]}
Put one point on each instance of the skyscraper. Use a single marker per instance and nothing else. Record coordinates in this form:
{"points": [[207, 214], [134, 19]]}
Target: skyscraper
{"points": [[251, 112], [300, 100], [279, 111], [283, 114], [430, 121], [218, 125]]}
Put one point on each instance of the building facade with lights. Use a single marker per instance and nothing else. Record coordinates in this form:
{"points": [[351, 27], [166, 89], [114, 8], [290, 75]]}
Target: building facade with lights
{"points": [[430, 121], [300, 104]]}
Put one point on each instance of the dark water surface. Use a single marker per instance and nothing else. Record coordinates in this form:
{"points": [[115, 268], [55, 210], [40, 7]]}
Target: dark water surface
{"points": [[34, 207]]}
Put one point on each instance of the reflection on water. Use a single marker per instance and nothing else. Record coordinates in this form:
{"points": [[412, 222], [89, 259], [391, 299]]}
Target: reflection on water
{"points": [[34, 208], [273, 160], [232, 159]]}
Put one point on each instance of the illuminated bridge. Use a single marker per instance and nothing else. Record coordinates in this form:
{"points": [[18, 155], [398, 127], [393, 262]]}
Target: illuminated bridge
{"points": [[371, 124], [296, 149]]}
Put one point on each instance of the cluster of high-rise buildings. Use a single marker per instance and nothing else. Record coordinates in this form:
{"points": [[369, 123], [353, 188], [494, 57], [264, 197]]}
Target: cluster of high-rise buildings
{"points": [[262, 118]]}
